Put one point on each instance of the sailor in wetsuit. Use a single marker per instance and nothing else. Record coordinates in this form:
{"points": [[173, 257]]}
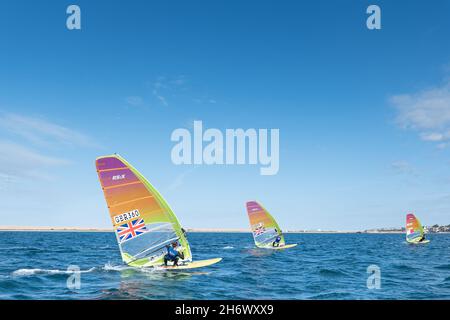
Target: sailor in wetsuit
{"points": [[173, 254], [276, 243]]}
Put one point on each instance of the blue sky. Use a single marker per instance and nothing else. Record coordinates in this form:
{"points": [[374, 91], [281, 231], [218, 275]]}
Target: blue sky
{"points": [[364, 116]]}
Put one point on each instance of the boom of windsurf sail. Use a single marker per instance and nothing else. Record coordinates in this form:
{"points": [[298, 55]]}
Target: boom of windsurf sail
{"points": [[143, 222], [414, 230], [264, 227]]}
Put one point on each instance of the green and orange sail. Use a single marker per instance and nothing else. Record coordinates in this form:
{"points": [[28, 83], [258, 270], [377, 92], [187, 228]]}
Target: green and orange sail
{"points": [[264, 227], [143, 222], [414, 229]]}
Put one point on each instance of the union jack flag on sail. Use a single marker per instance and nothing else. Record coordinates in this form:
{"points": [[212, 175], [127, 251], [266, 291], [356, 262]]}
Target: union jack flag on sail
{"points": [[131, 229], [259, 230]]}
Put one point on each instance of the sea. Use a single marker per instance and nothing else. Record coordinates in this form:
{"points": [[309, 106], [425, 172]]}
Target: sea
{"points": [[87, 265]]}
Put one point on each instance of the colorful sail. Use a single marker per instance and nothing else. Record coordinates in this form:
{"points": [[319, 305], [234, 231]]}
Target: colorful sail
{"points": [[143, 222], [414, 230], [264, 227]]}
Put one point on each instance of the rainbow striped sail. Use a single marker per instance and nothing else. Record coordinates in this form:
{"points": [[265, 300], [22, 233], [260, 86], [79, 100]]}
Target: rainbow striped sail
{"points": [[143, 222], [264, 227], [414, 230]]}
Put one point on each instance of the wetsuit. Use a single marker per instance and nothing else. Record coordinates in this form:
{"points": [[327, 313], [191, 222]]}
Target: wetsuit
{"points": [[276, 243], [172, 255]]}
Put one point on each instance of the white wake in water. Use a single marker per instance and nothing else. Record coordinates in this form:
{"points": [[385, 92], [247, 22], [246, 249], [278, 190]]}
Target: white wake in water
{"points": [[122, 267], [228, 247], [110, 267], [107, 267], [37, 271]]}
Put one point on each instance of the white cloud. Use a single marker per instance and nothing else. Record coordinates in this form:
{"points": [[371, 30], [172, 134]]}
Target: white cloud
{"points": [[165, 87], [179, 80], [161, 98], [166, 90], [204, 100], [134, 101], [432, 136], [179, 180], [427, 112], [403, 167], [22, 162], [41, 131], [25, 157]]}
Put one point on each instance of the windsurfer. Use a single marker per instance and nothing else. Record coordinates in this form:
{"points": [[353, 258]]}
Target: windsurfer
{"points": [[173, 254], [276, 243]]}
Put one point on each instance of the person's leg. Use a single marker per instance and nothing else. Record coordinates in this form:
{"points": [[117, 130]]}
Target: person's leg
{"points": [[165, 260], [175, 262]]}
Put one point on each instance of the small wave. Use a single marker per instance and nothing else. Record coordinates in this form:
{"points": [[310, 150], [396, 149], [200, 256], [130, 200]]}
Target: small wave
{"points": [[119, 268], [330, 296], [228, 247], [443, 267], [331, 273], [404, 267], [13, 248], [37, 271]]}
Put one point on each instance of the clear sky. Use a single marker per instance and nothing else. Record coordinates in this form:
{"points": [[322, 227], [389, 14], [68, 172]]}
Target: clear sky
{"points": [[364, 116]]}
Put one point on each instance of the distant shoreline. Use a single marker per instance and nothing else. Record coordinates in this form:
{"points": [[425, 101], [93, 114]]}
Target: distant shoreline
{"points": [[54, 229], [190, 230]]}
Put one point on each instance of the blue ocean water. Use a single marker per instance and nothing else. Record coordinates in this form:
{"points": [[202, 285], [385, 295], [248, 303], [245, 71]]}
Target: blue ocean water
{"points": [[323, 266]]}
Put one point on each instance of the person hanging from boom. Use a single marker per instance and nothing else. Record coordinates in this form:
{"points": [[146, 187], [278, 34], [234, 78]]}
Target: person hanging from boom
{"points": [[276, 243], [173, 254]]}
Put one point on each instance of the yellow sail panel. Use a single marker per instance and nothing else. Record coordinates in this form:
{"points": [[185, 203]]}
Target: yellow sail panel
{"points": [[143, 222]]}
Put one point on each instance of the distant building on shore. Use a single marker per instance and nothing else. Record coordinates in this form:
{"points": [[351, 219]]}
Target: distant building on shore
{"points": [[436, 228], [428, 229]]}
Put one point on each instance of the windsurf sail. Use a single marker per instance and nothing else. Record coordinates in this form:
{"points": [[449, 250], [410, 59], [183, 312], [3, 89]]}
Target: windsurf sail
{"points": [[143, 222], [414, 230], [264, 227]]}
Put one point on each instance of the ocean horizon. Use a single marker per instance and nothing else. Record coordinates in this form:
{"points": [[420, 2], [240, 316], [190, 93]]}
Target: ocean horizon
{"points": [[196, 230]]}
